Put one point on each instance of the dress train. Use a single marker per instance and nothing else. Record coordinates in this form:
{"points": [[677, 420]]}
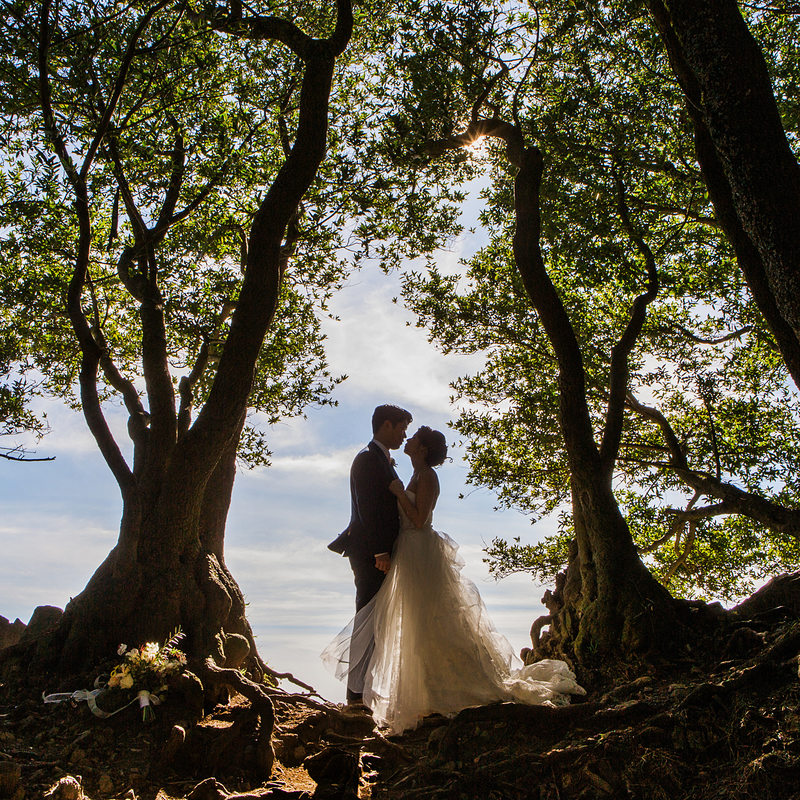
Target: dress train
{"points": [[435, 647]]}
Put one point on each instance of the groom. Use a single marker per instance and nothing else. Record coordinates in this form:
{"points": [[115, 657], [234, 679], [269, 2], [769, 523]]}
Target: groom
{"points": [[374, 518]]}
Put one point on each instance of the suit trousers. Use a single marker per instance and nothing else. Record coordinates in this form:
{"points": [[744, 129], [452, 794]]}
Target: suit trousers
{"points": [[368, 579]]}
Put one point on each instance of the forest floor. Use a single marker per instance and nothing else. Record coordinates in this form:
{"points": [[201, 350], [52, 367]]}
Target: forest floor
{"points": [[722, 721]]}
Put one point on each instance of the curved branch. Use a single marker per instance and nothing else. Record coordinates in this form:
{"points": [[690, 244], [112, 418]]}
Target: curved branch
{"points": [[137, 223], [681, 517], [717, 510], [178, 157], [217, 424], [484, 95], [692, 336], [578, 434], [188, 382], [90, 351], [509, 133], [269, 28], [770, 514], [139, 418], [683, 557], [620, 371]]}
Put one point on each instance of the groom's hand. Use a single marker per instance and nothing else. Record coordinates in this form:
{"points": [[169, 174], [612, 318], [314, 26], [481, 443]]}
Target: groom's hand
{"points": [[383, 562]]}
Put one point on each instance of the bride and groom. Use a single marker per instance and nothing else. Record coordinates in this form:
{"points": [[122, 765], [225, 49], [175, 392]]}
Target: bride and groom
{"points": [[421, 641]]}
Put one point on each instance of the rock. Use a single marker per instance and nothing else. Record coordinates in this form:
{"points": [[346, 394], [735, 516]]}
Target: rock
{"points": [[236, 649], [67, 788], [10, 632], [209, 789], [10, 776], [337, 773], [353, 721], [43, 619], [105, 784]]}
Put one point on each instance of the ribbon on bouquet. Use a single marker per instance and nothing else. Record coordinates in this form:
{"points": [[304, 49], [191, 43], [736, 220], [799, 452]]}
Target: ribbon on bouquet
{"points": [[143, 698]]}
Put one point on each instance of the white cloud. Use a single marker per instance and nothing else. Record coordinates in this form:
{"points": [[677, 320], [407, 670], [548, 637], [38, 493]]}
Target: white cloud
{"points": [[324, 465], [387, 358]]}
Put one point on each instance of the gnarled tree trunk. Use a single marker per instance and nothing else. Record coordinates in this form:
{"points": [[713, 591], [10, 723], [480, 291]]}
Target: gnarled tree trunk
{"points": [[168, 569], [610, 603], [750, 171]]}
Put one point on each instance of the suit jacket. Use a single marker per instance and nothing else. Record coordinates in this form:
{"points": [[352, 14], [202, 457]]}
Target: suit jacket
{"points": [[374, 518]]}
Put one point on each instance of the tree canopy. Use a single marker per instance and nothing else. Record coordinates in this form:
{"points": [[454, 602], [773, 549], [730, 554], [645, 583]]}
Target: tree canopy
{"points": [[172, 229], [178, 171], [707, 469]]}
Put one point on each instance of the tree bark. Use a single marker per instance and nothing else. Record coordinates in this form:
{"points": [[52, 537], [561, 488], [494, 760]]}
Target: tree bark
{"points": [[168, 569], [752, 176], [614, 605]]}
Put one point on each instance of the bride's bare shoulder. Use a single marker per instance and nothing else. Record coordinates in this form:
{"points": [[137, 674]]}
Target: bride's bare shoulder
{"points": [[429, 478]]}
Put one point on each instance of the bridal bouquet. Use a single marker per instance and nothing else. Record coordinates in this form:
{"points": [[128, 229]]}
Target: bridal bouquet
{"points": [[146, 670]]}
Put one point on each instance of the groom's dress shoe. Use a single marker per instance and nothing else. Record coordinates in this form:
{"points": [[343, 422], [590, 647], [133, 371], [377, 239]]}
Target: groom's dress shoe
{"points": [[354, 697], [358, 708]]}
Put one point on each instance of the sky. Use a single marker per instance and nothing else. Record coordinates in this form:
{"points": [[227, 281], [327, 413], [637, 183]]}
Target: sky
{"points": [[60, 518]]}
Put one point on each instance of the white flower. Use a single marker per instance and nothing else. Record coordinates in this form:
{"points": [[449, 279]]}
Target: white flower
{"points": [[121, 649], [150, 651]]}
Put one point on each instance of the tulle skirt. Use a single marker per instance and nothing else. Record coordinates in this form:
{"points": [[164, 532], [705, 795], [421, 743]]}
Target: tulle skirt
{"points": [[425, 643]]}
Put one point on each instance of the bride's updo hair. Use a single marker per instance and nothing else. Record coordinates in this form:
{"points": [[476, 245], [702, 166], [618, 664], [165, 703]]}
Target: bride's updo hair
{"points": [[436, 444]]}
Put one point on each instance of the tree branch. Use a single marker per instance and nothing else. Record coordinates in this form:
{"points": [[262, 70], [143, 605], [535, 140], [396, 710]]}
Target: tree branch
{"points": [[509, 133], [683, 557], [217, 423], [727, 337], [770, 514], [620, 372], [674, 527], [90, 350]]}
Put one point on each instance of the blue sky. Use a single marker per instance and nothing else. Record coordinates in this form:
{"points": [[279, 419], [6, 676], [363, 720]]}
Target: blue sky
{"points": [[61, 518]]}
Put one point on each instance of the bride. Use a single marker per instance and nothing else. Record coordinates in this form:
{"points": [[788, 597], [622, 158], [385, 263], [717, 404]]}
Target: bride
{"points": [[436, 650]]}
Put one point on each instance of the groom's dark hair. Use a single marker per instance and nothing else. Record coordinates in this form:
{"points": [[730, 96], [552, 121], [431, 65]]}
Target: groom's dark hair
{"points": [[394, 414]]}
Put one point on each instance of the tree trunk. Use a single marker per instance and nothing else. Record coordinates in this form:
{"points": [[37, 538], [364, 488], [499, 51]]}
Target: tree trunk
{"points": [[751, 173], [169, 573], [611, 604]]}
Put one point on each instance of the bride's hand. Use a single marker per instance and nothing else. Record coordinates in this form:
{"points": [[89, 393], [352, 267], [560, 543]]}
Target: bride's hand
{"points": [[396, 487]]}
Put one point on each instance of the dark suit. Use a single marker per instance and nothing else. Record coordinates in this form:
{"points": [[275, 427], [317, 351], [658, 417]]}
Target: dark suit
{"points": [[374, 519], [374, 525]]}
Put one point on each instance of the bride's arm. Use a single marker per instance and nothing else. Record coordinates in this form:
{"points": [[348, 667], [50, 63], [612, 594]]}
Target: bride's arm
{"points": [[426, 494]]}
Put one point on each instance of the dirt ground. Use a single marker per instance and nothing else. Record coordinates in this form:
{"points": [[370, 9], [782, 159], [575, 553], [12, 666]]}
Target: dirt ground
{"points": [[722, 722]]}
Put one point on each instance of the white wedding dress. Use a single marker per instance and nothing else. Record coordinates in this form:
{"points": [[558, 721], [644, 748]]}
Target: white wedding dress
{"points": [[436, 650]]}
